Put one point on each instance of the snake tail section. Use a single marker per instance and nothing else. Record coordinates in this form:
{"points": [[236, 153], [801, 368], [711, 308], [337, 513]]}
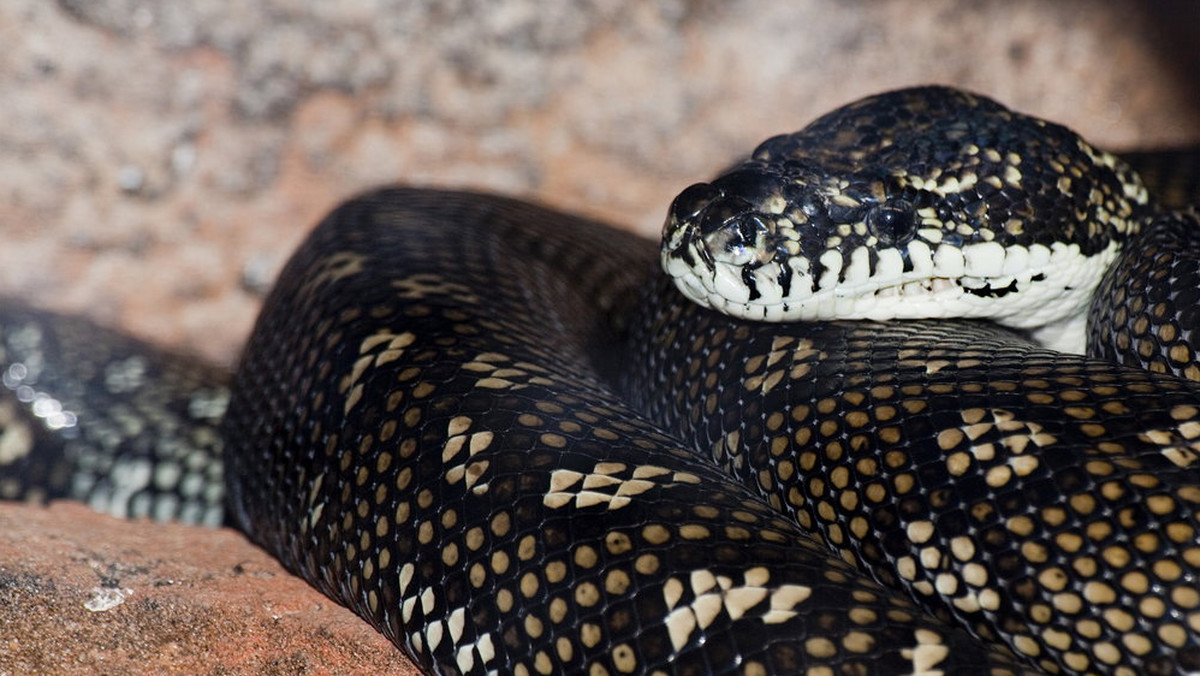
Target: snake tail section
{"points": [[419, 427], [89, 414]]}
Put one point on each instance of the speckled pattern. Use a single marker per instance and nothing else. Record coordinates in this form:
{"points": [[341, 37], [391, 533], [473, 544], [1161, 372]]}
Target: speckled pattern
{"points": [[1042, 499], [419, 428], [1152, 318]]}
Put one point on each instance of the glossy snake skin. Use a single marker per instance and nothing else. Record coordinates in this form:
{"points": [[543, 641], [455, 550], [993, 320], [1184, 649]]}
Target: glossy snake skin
{"points": [[421, 428], [497, 433]]}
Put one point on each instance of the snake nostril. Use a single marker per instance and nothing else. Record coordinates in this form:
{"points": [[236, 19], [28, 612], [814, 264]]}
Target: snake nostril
{"points": [[892, 222]]}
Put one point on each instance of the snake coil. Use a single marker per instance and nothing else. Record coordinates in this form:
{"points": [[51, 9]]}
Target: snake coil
{"points": [[502, 437]]}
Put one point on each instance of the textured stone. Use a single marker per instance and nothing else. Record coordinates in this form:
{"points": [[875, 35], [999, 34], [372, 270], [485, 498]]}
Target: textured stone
{"points": [[82, 593]]}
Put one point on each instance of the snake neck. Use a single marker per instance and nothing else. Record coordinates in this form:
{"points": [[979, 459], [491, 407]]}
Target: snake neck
{"points": [[1066, 335]]}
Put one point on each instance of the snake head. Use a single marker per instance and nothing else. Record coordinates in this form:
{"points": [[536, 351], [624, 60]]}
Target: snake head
{"points": [[919, 203], [759, 241]]}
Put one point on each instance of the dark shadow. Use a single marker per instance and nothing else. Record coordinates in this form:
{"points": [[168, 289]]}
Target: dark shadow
{"points": [[1173, 31]]}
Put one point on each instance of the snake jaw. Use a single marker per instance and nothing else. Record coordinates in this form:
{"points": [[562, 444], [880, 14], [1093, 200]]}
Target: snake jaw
{"points": [[743, 266]]}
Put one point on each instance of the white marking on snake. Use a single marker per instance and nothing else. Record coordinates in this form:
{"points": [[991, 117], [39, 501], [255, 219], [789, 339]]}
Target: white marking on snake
{"points": [[482, 651], [927, 654], [600, 487], [713, 594]]}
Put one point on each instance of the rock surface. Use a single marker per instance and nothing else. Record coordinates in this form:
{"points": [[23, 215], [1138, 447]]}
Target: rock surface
{"points": [[82, 593], [158, 162]]}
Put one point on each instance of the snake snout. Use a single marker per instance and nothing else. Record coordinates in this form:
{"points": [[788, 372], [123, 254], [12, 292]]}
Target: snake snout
{"points": [[725, 227], [733, 230]]}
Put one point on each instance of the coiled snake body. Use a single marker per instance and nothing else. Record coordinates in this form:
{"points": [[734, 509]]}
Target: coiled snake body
{"points": [[477, 424]]}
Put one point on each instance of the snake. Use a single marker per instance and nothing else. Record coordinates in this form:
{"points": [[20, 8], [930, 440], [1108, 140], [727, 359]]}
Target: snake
{"points": [[519, 441]]}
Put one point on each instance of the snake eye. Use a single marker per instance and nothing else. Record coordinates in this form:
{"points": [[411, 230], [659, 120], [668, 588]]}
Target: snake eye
{"points": [[892, 223]]}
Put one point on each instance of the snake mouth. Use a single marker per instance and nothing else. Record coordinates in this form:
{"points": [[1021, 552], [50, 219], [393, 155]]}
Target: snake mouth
{"points": [[919, 287], [982, 288], [752, 252], [911, 299], [1017, 286]]}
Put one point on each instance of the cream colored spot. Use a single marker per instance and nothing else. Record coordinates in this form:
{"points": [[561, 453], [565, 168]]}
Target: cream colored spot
{"points": [[712, 594], [646, 471], [624, 659], [1106, 652], [600, 487], [333, 268], [406, 575], [975, 574], [433, 635], [587, 594], [962, 547], [590, 634], [820, 648], [927, 654], [920, 531], [428, 599], [352, 399]]}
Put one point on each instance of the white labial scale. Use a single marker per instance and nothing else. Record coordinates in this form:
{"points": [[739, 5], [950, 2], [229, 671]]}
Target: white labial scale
{"points": [[1039, 256], [858, 272], [1016, 261], [825, 304], [985, 259], [941, 305], [861, 306], [844, 304], [727, 281], [831, 260], [921, 258], [890, 264], [766, 281], [949, 261], [799, 266]]}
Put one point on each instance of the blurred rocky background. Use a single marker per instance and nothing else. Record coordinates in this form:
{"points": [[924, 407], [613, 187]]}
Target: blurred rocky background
{"points": [[159, 160]]}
